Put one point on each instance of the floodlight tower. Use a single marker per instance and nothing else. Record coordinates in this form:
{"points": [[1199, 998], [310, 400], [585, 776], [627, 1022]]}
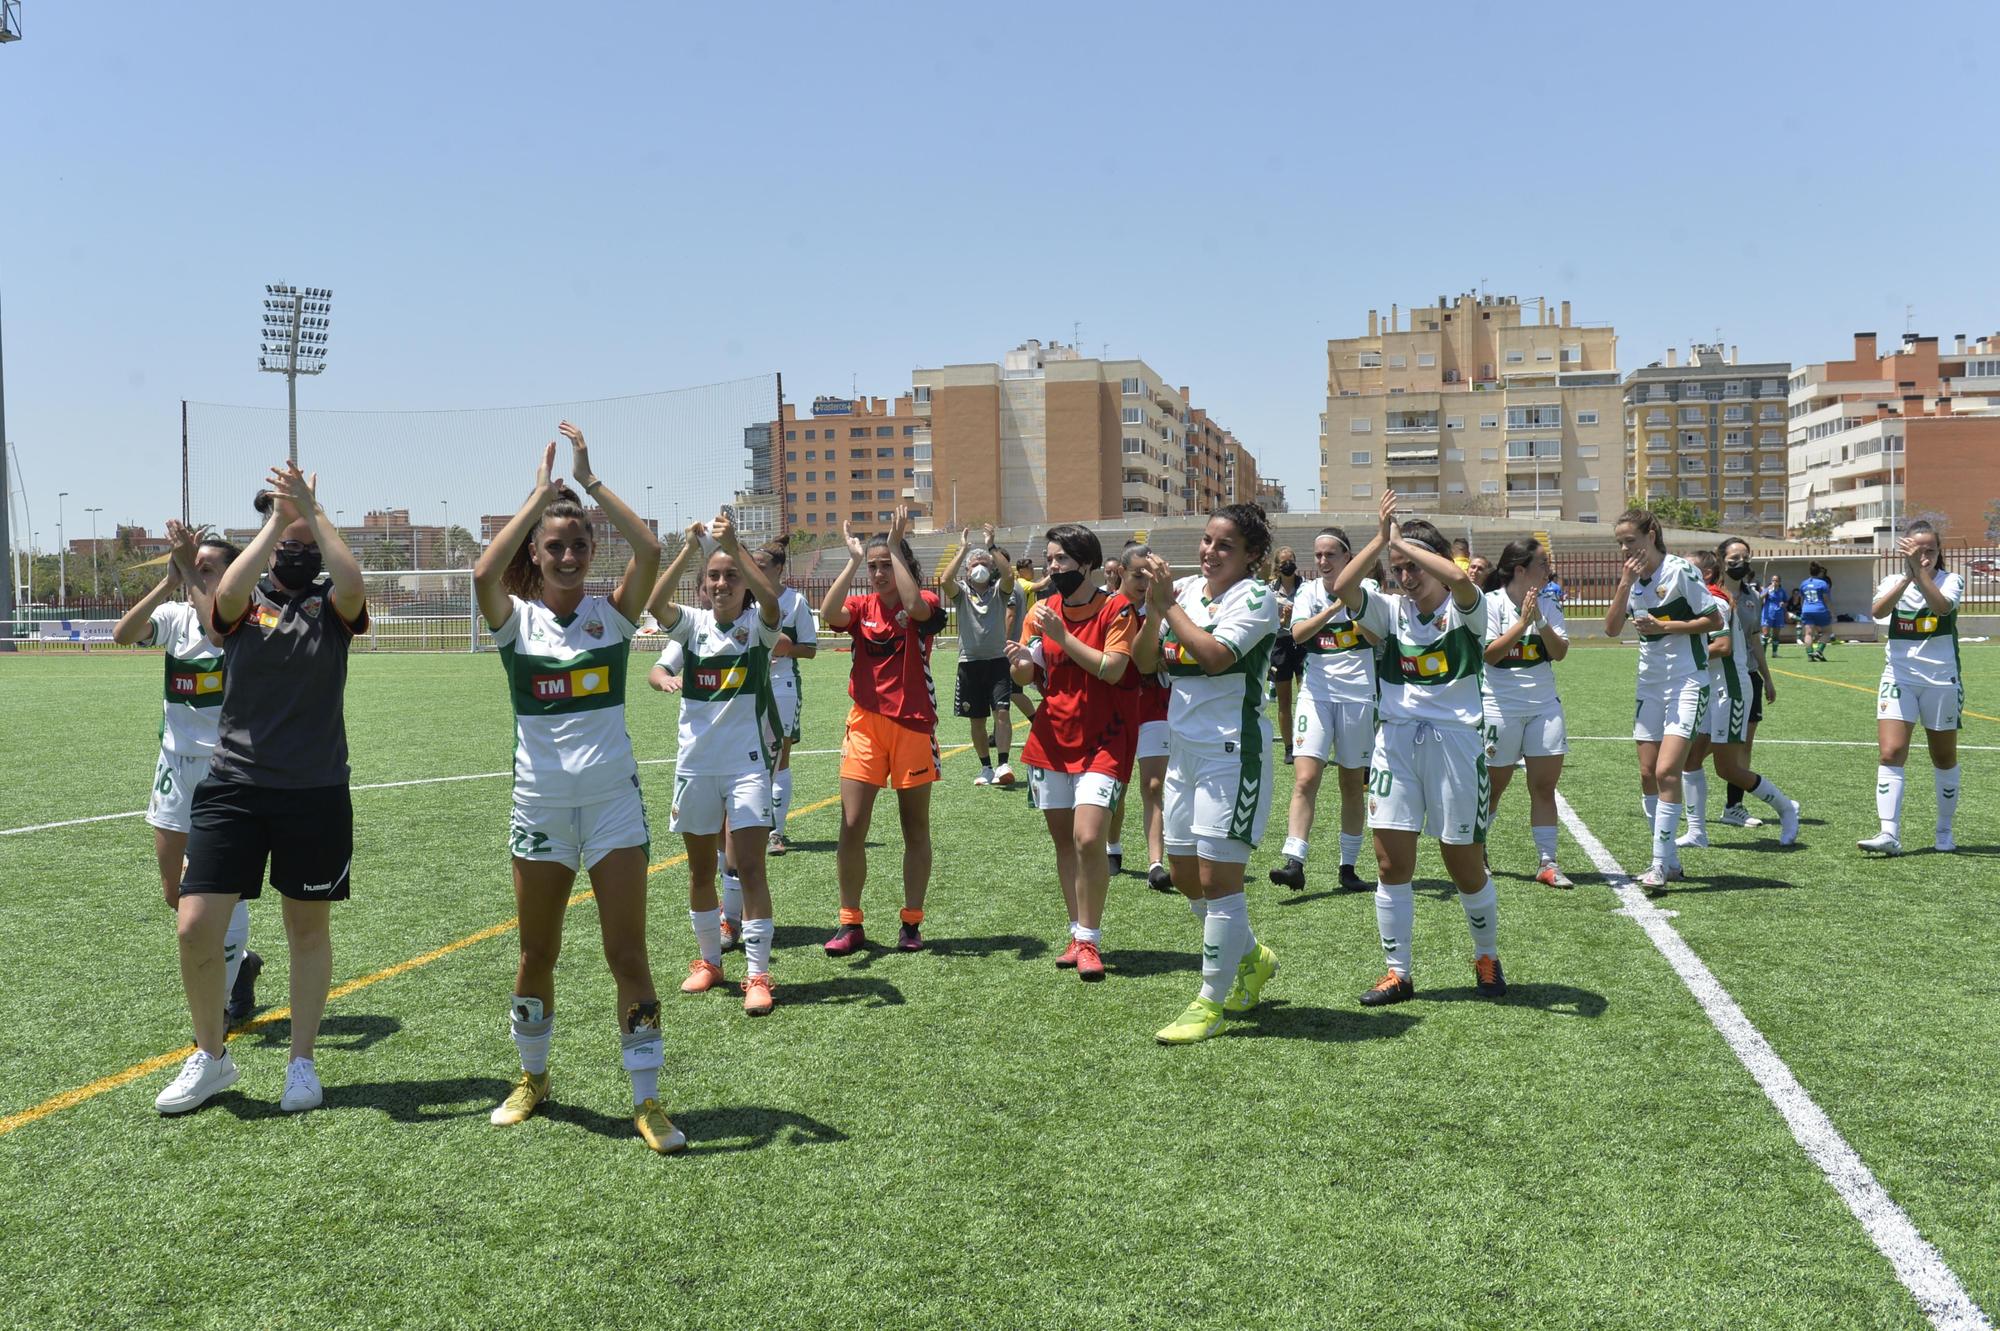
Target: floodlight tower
{"points": [[294, 333], [10, 31]]}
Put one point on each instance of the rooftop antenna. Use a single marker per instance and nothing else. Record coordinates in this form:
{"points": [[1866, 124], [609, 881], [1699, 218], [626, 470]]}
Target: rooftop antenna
{"points": [[853, 383], [1909, 317], [1076, 334]]}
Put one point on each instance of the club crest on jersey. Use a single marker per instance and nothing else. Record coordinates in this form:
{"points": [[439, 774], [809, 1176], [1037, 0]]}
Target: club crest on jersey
{"points": [[902, 619], [742, 636], [310, 606], [593, 628]]}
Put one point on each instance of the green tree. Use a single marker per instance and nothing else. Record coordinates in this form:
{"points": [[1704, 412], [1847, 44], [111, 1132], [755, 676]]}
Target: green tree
{"points": [[1676, 512], [1993, 519], [1818, 525]]}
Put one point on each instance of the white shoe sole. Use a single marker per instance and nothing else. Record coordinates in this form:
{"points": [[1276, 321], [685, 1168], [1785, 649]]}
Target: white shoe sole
{"points": [[301, 1104], [193, 1101]]}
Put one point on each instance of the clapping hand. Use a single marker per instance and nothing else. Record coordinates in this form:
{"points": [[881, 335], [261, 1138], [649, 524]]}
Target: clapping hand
{"points": [[295, 490], [1049, 623], [1019, 654], [857, 549], [1160, 590], [723, 532], [579, 456], [546, 489]]}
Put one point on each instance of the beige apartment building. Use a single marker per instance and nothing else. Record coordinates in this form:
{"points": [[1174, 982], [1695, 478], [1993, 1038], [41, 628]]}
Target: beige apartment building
{"points": [[1050, 435], [1884, 436], [1711, 432], [1470, 405]]}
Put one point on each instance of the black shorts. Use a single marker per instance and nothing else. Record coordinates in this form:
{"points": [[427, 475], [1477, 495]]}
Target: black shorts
{"points": [[1288, 658], [306, 835], [1756, 698], [984, 687]]}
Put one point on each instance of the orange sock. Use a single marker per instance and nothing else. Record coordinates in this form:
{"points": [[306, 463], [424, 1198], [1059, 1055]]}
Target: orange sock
{"points": [[850, 915], [912, 917]]}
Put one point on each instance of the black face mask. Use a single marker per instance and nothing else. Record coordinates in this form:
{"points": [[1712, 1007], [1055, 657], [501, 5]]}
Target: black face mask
{"points": [[1288, 568], [1066, 582], [295, 570], [1739, 569]]}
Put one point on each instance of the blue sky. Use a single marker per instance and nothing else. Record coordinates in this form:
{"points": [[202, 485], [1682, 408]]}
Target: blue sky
{"points": [[519, 204]]}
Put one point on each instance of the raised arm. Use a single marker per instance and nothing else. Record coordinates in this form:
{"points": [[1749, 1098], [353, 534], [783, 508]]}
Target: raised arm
{"points": [[1621, 598], [662, 604], [1464, 593], [1348, 585], [136, 624], [492, 563], [1924, 575], [187, 543], [232, 592], [724, 532], [949, 574], [635, 586], [918, 608], [833, 606], [301, 493]]}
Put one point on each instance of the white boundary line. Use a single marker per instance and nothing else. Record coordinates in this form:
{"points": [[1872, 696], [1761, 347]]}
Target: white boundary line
{"points": [[378, 785], [1920, 1267]]}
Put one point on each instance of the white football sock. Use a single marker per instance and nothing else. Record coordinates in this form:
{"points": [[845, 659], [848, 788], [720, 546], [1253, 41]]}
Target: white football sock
{"points": [[1199, 907], [1946, 779], [1545, 843], [1395, 916], [1666, 826], [1225, 934], [1768, 792], [1114, 849], [531, 1033], [1694, 790], [708, 934], [1090, 936], [1889, 799], [1295, 848], [1350, 847], [643, 1051], [1482, 917], [732, 897], [757, 935], [781, 800], [235, 942], [1651, 804]]}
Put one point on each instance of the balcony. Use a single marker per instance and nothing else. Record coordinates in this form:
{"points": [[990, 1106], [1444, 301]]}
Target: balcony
{"points": [[1411, 422], [1409, 463], [1548, 457], [1736, 466], [1658, 469], [1662, 447], [1735, 446]]}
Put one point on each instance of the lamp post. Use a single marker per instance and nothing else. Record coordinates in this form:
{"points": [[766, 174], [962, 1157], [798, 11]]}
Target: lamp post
{"points": [[294, 341], [62, 555], [95, 592], [444, 541]]}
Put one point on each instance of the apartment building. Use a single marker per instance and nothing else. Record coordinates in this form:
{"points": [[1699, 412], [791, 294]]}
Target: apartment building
{"points": [[1886, 435], [1050, 435], [847, 459], [1711, 432], [1469, 406]]}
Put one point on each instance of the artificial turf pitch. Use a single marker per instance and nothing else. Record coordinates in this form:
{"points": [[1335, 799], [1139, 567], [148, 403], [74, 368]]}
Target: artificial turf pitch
{"points": [[968, 1136]]}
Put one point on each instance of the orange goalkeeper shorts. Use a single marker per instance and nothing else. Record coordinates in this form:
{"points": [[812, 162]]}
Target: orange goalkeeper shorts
{"points": [[886, 754]]}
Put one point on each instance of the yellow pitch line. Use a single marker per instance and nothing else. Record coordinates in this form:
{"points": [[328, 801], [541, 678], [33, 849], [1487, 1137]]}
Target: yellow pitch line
{"points": [[1843, 684], [72, 1098]]}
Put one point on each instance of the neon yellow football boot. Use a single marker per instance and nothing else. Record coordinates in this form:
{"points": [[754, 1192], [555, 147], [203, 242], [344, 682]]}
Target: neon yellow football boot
{"points": [[1201, 1020], [659, 1130], [1255, 971]]}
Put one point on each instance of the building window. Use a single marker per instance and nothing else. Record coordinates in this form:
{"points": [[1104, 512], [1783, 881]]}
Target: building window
{"points": [[1426, 359], [885, 473], [922, 394], [791, 478], [1534, 418], [1489, 455], [1132, 416], [1360, 458], [1132, 445], [1515, 358], [858, 432], [1399, 362], [811, 476], [1454, 422], [1732, 390], [1489, 422], [1545, 353], [1454, 487], [909, 431], [1587, 451], [810, 434], [1360, 424], [853, 453], [1360, 490], [1131, 387], [1586, 418], [1694, 415], [1454, 455], [1734, 414], [885, 432], [792, 436], [1369, 360], [885, 452], [811, 454], [793, 456], [812, 496], [1587, 483], [1489, 487], [812, 519], [1573, 354]]}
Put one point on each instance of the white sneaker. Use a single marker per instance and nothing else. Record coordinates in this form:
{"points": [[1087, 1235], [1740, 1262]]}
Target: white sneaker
{"points": [[1654, 880], [1944, 841], [301, 1087], [1881, 844], [985, 777], [1788, 823], [1738, 816], [200, 1077], [1003, 775], [1699, 840]]}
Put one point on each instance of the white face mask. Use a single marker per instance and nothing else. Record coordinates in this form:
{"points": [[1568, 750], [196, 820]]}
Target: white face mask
{"points": [[980, 575]]}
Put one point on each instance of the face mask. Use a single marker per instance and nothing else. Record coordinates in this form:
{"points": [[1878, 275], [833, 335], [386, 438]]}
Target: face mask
{"points": [[1288, 568], [981, 575], [295, 570], [1066, 582], [1739, 569]]}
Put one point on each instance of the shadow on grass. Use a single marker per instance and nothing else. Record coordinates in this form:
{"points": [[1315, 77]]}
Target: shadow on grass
{"points": [[794, 846], [435, 1101], [1986, 852], [344, 1031], [839, 991], [1276, 1019], [1301, 898], [1021, 945], [1562, 999], [1138, 962], [722, 1131], [1727, 882]]}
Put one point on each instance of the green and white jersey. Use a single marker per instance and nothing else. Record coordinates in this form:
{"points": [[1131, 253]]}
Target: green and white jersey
{"points": [[1524, 682], [1675, 591], [1339, 662], [1211, 711], [1437, 658], [1729, 676], [729, 716], [1922, 644], [194, 681], [566, 677], [795, 621]]}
